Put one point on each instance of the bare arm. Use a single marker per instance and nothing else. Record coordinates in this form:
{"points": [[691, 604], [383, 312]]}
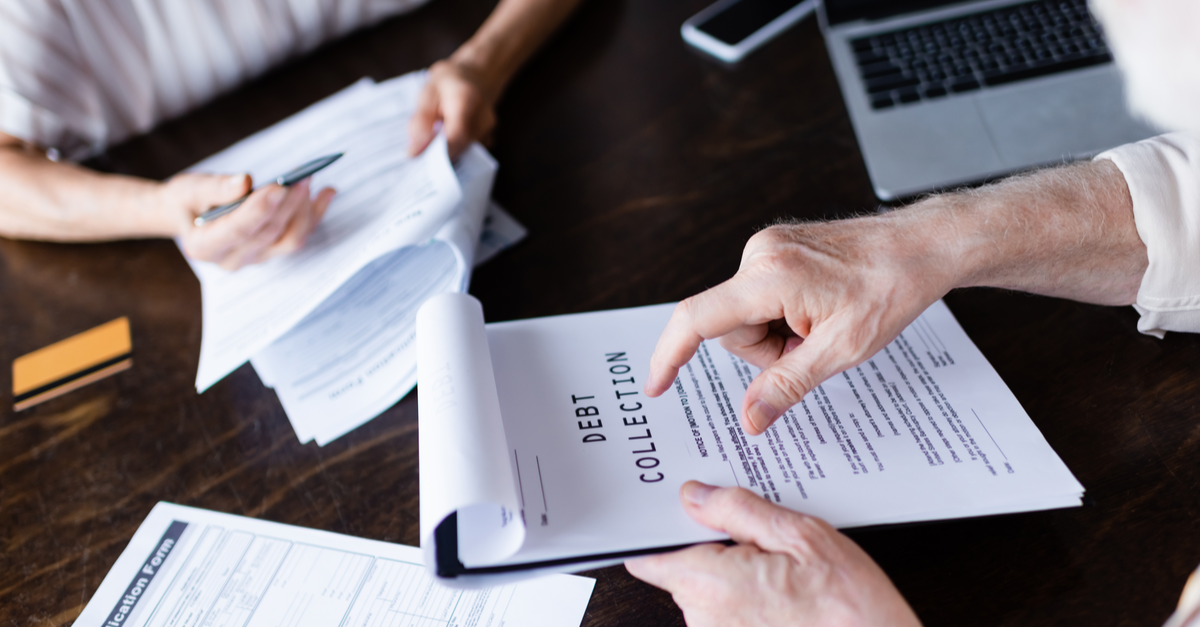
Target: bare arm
{"points": [[56, 201], [463, 89], [811, 300], [1066, 232]]}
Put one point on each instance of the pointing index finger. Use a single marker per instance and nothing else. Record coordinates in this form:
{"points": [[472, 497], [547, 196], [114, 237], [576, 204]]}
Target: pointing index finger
{"points": [[706, 315]]}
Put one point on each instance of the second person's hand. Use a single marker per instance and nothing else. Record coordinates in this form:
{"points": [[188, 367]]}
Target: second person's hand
{"points": [[787, 569], [462, 99]]}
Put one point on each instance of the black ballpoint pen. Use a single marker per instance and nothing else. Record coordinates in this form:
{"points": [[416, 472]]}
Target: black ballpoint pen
{"points": [[287, 179]]}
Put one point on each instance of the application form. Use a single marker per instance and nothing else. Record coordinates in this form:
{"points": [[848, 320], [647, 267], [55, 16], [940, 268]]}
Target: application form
{"points": [[386, 200], [188, 567]]}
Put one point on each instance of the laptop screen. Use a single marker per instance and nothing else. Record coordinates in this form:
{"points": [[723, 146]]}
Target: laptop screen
{"points": [[839, 11]]}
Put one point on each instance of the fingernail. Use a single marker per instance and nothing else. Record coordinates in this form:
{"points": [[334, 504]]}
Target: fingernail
{"points": [[276, 196], [697, 493], [762, 414]]}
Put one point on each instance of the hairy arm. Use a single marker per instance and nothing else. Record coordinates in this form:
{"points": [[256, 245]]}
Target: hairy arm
{"points": [[1066, 232], [811, 300], [463, 89]]}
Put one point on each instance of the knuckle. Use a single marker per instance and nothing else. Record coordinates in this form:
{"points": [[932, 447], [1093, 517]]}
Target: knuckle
{"points": [[687, 308], [771, 236], [789, 382], [809, 538], [288, 245], [736, 503], [856, 335], [741, 498], [243, 230], [773, 263], [251, 214], [797, 536]]}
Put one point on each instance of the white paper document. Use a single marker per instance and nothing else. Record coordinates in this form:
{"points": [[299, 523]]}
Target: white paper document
{"points": [[188, 567], [331, 327], [540, 452]]}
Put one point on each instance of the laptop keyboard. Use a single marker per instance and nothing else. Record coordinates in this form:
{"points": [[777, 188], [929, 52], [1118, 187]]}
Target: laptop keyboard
{"points": [[980, 50]]}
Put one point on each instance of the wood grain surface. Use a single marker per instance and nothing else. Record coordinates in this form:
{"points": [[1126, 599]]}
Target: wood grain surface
{"points": [[640, 169]]}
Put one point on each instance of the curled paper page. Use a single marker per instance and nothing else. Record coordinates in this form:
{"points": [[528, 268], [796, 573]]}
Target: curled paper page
{"points": [[476, 170], [386, 200], [355, 355], [465, 468]]}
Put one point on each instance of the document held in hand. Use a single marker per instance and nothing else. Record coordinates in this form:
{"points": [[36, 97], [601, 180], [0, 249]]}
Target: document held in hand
{"points": [[331, 326], [540, 452]]}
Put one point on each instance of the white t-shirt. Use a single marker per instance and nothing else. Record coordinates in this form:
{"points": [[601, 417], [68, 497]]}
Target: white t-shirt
{"points": [[80, 75], [1163, 174]]}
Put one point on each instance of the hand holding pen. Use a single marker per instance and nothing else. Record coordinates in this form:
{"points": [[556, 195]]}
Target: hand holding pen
{"points": [[269, 221]]}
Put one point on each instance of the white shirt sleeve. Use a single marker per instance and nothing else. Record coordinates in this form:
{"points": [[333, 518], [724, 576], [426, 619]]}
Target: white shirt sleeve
{"points": [[1188, 612], [1163, 175]]}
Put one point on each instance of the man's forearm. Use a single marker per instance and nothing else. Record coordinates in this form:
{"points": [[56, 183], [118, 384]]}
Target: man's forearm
{"points": [[849, 287], [511, 34], [1067, 232], [46, 200]]}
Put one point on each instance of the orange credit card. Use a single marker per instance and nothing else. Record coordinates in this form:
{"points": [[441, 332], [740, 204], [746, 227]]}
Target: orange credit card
{"points": [[72, 363]]}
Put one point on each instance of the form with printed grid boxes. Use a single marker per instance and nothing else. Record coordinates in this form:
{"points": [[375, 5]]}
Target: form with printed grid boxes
{"points": [[187, 567]]}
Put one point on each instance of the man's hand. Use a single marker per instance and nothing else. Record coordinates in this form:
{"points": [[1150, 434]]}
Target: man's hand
{"points": [[462, 99], [809, 301], [788, 569], [273, 221]]}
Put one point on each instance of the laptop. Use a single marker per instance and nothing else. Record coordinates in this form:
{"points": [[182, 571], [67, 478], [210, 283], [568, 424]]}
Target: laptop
{"points": [[944, 94]]}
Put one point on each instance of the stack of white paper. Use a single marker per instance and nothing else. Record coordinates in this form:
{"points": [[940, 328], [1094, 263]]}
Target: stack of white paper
{"points": [[331, 327]]}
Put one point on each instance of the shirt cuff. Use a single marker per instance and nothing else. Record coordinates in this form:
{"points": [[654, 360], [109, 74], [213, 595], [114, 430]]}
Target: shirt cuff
{"points": [[1163, 175]]}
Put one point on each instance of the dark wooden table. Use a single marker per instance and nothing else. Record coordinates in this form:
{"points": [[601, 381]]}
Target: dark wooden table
{"points": [[640, 169]]}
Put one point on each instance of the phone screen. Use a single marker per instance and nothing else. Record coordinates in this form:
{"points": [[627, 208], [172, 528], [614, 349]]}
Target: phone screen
{"points": [[741, 19]]}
